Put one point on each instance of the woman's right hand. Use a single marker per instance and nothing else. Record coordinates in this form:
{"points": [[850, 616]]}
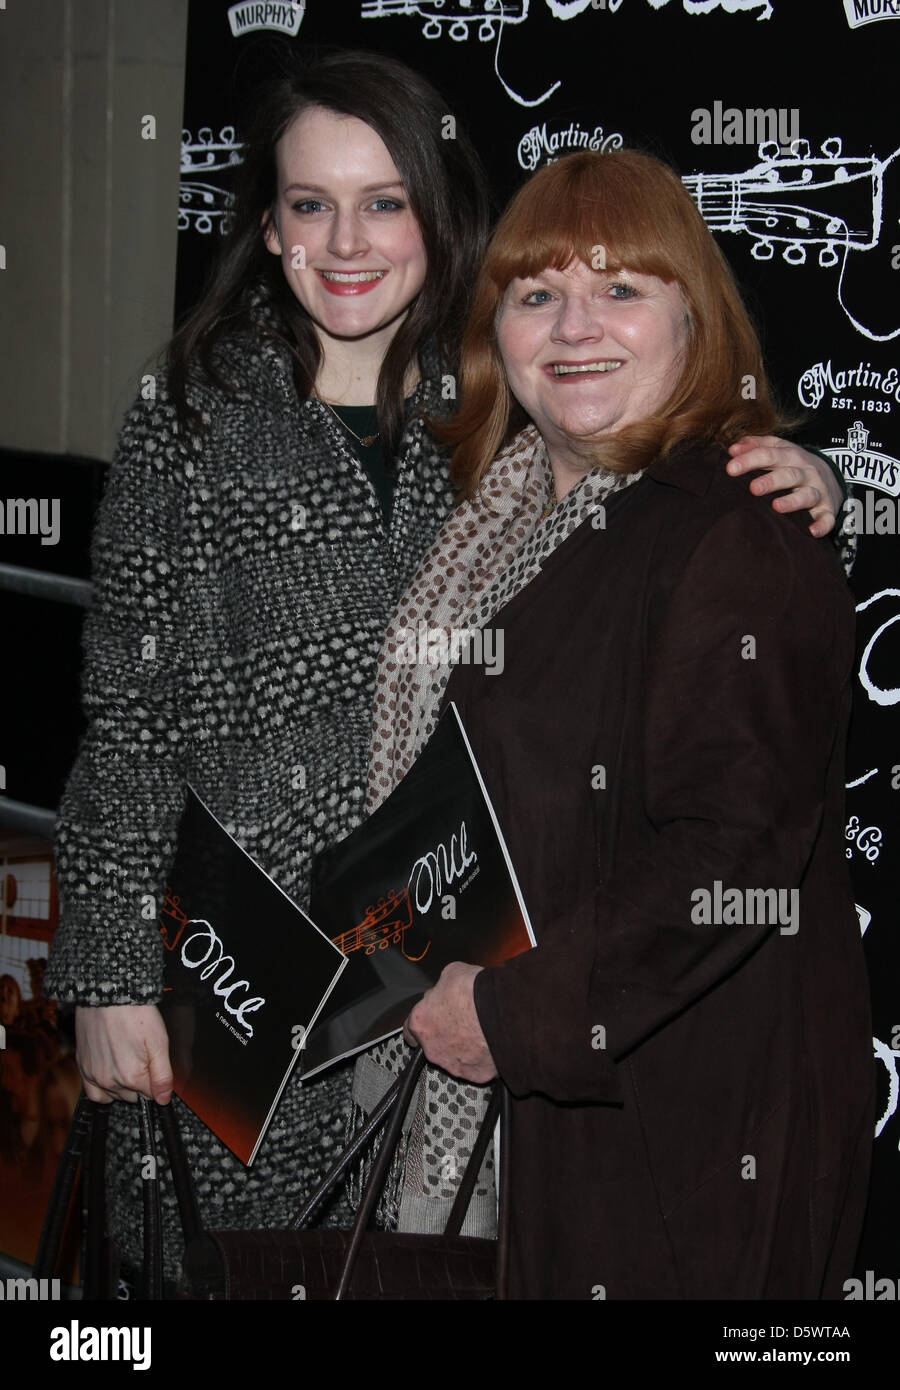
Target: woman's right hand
{"points": [[123, 1051]]}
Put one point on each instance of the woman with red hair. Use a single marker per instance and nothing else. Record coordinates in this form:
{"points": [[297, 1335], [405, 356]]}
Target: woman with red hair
{"points": [[688, 1045]]}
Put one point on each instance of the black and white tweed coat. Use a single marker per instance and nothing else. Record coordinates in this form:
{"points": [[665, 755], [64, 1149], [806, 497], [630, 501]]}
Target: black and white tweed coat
{"points": [[243, 582]]}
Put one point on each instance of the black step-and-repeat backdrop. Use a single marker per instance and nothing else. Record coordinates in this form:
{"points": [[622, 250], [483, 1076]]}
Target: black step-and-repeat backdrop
{"points": [[781, 118]]}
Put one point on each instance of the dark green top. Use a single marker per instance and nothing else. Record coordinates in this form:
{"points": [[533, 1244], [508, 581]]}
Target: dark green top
{"points": [[362, 420]]}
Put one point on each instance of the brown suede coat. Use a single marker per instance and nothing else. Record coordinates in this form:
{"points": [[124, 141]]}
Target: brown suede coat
{"points": [[693, 1101]]}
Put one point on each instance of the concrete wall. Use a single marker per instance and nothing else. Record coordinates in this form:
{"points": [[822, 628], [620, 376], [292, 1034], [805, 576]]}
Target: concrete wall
{"points": [[88, 208]]}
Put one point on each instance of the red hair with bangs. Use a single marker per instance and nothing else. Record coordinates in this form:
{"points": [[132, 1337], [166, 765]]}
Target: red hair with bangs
{"points": [[640, 213]]}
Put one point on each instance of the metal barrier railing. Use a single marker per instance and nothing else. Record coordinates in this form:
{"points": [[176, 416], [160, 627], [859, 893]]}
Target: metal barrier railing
{"points": [[61, 588], [19, 815]]}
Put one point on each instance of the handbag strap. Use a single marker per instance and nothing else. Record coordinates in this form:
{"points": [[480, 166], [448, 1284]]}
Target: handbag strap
{"points": [[63, 1184], [344, 1160], [185, 1194], [153, 1239], [85, 1146], [96, 1278], [400, 1097], [378, 1175], [504, 1207], [473, 1167]]}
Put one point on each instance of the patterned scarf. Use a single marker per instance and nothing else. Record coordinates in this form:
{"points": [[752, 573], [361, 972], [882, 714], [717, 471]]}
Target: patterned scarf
{"points": [[488, 550]]}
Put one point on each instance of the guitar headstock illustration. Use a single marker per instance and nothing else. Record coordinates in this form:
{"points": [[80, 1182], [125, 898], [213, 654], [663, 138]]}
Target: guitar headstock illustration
{"points": [[487, 21], [456, 19], [205, 205], [827, 205], [385, 924]]}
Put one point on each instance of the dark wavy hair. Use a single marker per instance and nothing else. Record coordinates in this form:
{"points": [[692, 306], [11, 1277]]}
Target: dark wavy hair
{"points": [[447, 191]]}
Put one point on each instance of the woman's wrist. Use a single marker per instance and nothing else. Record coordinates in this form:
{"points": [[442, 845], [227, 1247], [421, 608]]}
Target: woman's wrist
{"points": [[838, 473]]}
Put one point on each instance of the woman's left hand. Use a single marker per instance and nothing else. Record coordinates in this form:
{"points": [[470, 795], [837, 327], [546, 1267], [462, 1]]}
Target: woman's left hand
{"points": [[814, 487], [444, 1023]]}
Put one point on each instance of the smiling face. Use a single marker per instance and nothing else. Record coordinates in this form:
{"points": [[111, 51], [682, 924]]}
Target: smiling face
{"points": [[349, 244], [588, 352]]}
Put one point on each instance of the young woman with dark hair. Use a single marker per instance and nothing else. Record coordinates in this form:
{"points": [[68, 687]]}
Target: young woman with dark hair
{"points": [[263, 513], [443, 185]]}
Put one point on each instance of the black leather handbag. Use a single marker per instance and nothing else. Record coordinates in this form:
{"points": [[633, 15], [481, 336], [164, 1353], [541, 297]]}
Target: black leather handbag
{"points": [[295, 1263]]}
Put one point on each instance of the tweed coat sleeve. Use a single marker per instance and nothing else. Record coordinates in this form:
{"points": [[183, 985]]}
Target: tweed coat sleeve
{"points": [[744, 695], [119, 813]]}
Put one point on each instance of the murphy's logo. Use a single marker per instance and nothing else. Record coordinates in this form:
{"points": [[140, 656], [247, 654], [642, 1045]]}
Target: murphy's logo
{"points": [[860, 12], [862, 461], [255, 14]]}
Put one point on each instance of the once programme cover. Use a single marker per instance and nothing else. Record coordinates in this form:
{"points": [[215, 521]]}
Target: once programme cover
{"points": [[426, 880], [246, 972]]}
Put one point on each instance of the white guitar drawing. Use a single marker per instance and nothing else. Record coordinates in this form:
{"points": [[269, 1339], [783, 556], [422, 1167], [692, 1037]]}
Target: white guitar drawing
{"points": [[801, 203], [828, 203], [491, 17], [205, 205]]}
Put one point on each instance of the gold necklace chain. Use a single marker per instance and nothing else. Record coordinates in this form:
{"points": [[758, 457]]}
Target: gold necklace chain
{"points": [[366, 440]]}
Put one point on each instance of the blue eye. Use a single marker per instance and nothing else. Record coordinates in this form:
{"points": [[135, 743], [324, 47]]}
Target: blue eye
{"points": [[387, 205], [307, 205], [628, 291], [530, 297]]}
